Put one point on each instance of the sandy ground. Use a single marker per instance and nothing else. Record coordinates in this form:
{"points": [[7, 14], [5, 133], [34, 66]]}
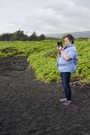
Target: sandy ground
{"points": [[31, 107]]}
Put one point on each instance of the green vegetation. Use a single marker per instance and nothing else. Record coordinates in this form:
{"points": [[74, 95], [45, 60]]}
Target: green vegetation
{"points": [[42, 55]]}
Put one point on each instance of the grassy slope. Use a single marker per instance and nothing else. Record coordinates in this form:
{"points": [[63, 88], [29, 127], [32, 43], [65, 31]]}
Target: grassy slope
{"points": [[43, 56]]}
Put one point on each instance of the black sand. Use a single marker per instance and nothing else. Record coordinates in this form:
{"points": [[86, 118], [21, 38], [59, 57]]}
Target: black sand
{"points": [[31, 107]]}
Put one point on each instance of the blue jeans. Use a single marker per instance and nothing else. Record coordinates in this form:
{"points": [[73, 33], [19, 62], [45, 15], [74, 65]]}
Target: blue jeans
{"points": [[65, 77]]}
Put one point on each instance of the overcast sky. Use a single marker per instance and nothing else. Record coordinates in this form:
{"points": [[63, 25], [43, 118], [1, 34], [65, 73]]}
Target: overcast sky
{"points": [[44, 16]]}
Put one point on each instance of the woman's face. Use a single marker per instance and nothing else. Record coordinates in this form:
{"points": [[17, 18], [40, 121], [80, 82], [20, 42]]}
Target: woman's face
{"points": [[67, 42]]}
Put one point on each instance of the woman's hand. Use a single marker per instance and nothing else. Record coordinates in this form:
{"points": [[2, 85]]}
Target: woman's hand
{"points": [[59, 49]]}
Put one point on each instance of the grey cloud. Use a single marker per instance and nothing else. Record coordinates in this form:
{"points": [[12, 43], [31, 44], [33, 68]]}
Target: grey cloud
{"points": [[44, 16]]}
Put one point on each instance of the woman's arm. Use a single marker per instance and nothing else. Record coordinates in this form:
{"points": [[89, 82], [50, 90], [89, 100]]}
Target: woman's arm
{"points": [[65, 56]]}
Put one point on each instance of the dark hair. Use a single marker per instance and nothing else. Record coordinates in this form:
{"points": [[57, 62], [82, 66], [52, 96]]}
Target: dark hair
{"points": [[70, 37]]}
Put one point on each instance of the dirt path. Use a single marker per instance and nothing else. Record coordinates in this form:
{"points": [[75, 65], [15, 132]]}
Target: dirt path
{"points": [[30, 107]]}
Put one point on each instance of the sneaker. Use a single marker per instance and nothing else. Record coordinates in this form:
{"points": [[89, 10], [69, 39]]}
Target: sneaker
{"points": [[63, 99], [67, 102]]}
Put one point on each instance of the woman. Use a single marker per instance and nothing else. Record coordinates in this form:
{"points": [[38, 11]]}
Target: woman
{"points": [[67, 65]]}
